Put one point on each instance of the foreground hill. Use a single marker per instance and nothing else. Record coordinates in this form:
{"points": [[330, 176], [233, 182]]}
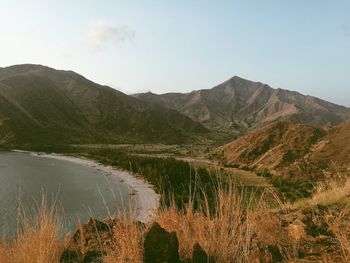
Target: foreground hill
{"points": [[292, 150], [332, 153], [42, 105], [239, 105]]}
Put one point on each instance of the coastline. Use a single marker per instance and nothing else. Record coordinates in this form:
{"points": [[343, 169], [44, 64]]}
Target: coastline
{"points": [[147, 200]]}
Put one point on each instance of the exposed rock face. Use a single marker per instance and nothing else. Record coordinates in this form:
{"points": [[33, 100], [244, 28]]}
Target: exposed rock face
{"points": [[160, 246], [238, 105]]}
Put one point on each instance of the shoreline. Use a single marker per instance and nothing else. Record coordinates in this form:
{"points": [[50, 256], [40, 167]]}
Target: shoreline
{"points": [[147, 200]]}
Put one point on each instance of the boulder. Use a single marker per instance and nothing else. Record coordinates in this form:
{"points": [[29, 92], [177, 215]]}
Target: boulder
{"points": [[70, 256], [93, 257], [200, 256], [161, 246]]}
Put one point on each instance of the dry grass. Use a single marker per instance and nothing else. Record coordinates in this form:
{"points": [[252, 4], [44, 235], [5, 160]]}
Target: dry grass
{"points": [[127, 244], [339, 225], [331, 192], [37, 241], [231, 232], [223, 233]]}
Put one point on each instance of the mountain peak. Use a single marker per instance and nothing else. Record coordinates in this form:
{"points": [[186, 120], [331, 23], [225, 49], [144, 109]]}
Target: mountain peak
{"points": [[238, 105]]}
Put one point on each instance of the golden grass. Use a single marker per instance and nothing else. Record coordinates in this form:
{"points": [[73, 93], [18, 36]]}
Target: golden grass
{"points": [[334, 191], [37, 241], [223, 233], [232, 232], [340, 227], [127, 244]]}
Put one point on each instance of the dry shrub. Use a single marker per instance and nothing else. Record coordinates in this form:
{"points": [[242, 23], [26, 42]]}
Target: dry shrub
{"points": [[38, 240], [334, 192], [127, 244], [227, 233], [338, 223]]}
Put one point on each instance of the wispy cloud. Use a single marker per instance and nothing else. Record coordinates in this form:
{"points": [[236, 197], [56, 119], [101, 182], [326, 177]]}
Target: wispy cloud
{"points": [[101, 35], [345, 29]]}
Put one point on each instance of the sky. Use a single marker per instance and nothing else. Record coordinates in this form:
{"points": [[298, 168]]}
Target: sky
{"points": [[180, 46]]}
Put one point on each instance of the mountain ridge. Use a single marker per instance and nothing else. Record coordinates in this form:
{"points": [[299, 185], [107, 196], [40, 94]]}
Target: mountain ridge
{"points": [[41, 104], [238, 105]]}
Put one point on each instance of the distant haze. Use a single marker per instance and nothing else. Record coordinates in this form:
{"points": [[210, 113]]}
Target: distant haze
{"points": [[167, 46]]}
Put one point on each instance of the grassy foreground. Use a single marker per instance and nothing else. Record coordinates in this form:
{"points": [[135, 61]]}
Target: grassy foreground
{"points": [[230, 233]]}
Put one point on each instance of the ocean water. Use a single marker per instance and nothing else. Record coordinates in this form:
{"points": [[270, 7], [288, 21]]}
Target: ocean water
{"points": [[77, 191]]}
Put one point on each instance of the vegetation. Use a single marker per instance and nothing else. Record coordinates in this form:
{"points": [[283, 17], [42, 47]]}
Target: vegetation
{"points": [[175, 180], [231, 233]]}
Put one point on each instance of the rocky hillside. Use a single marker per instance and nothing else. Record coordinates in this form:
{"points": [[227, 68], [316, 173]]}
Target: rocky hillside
{"points": [[292, 150], [42, 105], [332, 153], [238, 105]]}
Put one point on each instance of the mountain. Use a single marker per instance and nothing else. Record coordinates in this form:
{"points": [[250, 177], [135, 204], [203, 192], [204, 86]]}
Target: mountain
{"points": [[292, 150], [238, 105], [43, 105], [332, 153]]}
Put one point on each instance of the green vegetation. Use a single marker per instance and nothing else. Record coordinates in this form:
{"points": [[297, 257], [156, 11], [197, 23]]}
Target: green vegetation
{"points": [[174, 179], [292, 190], [262, 149]]}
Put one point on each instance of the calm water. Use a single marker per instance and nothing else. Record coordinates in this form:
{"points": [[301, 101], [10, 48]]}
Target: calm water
{"points": [[81, 192]]}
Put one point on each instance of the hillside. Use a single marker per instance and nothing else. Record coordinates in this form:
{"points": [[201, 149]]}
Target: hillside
{"points": [[238, 105], [332, 153], [42, 105], [293, 151]]}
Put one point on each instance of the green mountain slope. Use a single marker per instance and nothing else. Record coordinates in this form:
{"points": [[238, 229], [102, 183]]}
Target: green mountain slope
{"points": [[42, 105]]}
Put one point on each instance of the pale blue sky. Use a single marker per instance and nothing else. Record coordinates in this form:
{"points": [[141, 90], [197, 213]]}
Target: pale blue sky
{"points": [[163, 46]]}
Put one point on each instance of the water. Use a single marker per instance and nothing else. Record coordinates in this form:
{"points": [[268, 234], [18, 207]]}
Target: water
{"points": [[81, 192]]}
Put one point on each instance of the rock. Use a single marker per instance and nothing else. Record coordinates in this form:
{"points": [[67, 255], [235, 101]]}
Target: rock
{"points": [[161, 246], [93, 236], [276, 254], [70, 256], [200, 256], [93, 257]]}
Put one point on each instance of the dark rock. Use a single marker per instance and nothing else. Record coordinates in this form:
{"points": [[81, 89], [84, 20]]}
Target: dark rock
{"points": [[98, 225], [93, 257], [200, 256], [161, 246], [70, 256], [275, 253], [94, 235]]}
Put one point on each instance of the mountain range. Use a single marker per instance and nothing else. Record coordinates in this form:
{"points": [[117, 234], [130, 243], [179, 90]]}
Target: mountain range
{"points": [[238, 105], [41, 105]]}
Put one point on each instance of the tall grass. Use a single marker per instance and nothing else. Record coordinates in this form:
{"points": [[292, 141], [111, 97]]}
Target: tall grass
{"points": [[223, 232], [37, 241], [231, 230]]}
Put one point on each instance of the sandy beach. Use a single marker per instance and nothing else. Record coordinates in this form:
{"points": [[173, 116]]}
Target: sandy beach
{"points": [[147, 200]]}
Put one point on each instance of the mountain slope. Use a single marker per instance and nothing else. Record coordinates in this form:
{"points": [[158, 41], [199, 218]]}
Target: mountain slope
{"points": [[239, 105], [42, 105], [293, 151], [332, 153]]}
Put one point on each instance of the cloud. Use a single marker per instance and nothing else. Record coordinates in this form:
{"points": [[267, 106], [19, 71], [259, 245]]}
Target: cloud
{"points": [[345, 29], [102, 35]]}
